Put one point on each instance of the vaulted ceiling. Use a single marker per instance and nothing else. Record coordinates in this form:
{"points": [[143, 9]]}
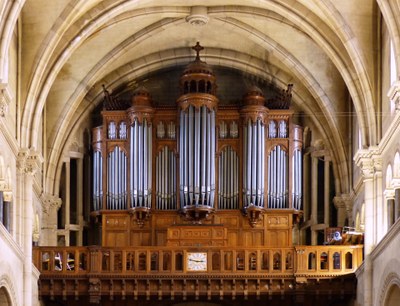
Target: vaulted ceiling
{"points": [[324, 47]]}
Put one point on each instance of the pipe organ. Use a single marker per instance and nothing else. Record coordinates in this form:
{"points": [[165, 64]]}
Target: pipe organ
{"points": [[197, 163]]}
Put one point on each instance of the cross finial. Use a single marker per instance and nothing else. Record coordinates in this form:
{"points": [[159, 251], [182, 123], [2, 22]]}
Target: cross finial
{"points": [[197, 48]]}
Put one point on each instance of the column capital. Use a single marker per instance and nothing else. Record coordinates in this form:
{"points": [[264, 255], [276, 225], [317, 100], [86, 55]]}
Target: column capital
{"points": [[5, 100], [394, 94], [28, 161], [50, 202], [345, 202], [389, 194]]}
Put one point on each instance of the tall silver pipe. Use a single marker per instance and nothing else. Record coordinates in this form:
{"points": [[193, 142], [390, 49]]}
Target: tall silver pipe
{"points": [[263, 165], [145, 163], [212, 170], [260, 163], [190, 155], [197, 154], [203, 154]]}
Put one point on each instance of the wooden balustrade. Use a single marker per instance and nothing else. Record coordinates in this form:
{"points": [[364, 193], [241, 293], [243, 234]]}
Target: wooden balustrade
{"points": [[298, 261]]}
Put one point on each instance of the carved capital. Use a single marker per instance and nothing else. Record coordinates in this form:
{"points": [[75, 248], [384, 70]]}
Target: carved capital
{"points": [[5, 99], [377, 164], [50, 202], [389, 194], [394, 95], [367, 168], [28, 162], [3, 185]]}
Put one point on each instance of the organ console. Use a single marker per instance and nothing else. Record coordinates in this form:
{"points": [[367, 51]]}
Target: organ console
{"points": [[155, 169]]}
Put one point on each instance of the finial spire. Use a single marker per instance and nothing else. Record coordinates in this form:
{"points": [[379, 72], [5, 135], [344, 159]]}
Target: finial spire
{"points": [[197, 48]]}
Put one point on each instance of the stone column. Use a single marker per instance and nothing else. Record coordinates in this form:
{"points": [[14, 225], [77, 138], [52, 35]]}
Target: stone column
{"points": [[340, 205], [389, 196], [378, 198], [50, 205], [79, 199], [367, 167], [27, 164], [314, 198], [327, 186]]}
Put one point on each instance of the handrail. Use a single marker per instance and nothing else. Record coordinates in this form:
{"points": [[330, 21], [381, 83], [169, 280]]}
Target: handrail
{"points": [[295, 261]]}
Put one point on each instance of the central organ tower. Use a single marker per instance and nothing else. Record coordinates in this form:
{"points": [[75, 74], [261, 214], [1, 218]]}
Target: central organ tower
{"points": [[198, 173]]}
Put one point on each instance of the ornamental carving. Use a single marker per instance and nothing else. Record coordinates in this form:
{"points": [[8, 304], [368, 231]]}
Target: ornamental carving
{"points": [[50, 202], [28, 162], [3, 104], [367, 168]]}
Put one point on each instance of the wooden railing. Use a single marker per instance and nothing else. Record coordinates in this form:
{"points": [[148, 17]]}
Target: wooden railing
{"points": [[298, 261]]}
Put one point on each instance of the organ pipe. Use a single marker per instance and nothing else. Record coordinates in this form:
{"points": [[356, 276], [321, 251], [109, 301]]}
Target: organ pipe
{"points": [[166, 179], [140, 169], [228, 188], [197, 151]]}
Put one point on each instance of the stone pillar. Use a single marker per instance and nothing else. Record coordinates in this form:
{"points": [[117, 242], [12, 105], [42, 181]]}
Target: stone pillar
{"points": [[341, 210], [389, 197], [50, 205], [314, 198], [378, 198], [79, 190], [367, 167], [28, 163], [327, 186]]}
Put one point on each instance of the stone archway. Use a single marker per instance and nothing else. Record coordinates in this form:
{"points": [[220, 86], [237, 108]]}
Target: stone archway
{"points": [[5, 299], [393, 296]]}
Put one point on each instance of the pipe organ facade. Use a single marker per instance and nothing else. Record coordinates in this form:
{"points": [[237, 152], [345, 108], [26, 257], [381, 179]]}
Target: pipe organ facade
{"points": [[197, 163]]}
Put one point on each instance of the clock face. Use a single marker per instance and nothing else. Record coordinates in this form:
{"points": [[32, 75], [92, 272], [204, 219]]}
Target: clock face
{"points": [[197, 261]]}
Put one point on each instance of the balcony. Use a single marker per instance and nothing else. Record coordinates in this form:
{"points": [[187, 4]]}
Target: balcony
{"points": [[97, 274]]}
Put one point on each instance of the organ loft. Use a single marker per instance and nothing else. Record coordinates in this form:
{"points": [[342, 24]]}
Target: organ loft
{"points": [[199, 200], [227, 176]]}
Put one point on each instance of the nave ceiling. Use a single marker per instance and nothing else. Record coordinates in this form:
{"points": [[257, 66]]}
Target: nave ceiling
{"points": [[325, 48]]}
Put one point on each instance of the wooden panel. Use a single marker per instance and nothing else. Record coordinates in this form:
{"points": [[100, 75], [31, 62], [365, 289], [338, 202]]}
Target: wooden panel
{"points": [[192, 235]]}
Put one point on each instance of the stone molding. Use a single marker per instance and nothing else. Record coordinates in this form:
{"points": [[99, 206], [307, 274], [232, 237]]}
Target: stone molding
{"points": [[394, 94]]}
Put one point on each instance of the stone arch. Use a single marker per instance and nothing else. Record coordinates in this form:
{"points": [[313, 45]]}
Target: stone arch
{"points": [[5, 298], [390, 289], [7, 292]]}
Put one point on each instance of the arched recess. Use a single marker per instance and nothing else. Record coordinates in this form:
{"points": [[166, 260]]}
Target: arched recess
{"points": [[393, 296], [5, 299], [390, 287], [7, 292]]}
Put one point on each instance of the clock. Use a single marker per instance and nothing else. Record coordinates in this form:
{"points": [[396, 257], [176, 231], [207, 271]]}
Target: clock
{"points": [[196, 261]]}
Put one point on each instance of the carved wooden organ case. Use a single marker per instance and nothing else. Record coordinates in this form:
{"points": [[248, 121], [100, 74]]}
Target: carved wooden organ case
{"points": [[197, 165]]}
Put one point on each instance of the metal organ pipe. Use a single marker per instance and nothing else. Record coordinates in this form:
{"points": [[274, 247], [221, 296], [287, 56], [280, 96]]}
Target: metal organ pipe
{"points": [[140, 185], [228, 179], [197, 165], [253, 180]]}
